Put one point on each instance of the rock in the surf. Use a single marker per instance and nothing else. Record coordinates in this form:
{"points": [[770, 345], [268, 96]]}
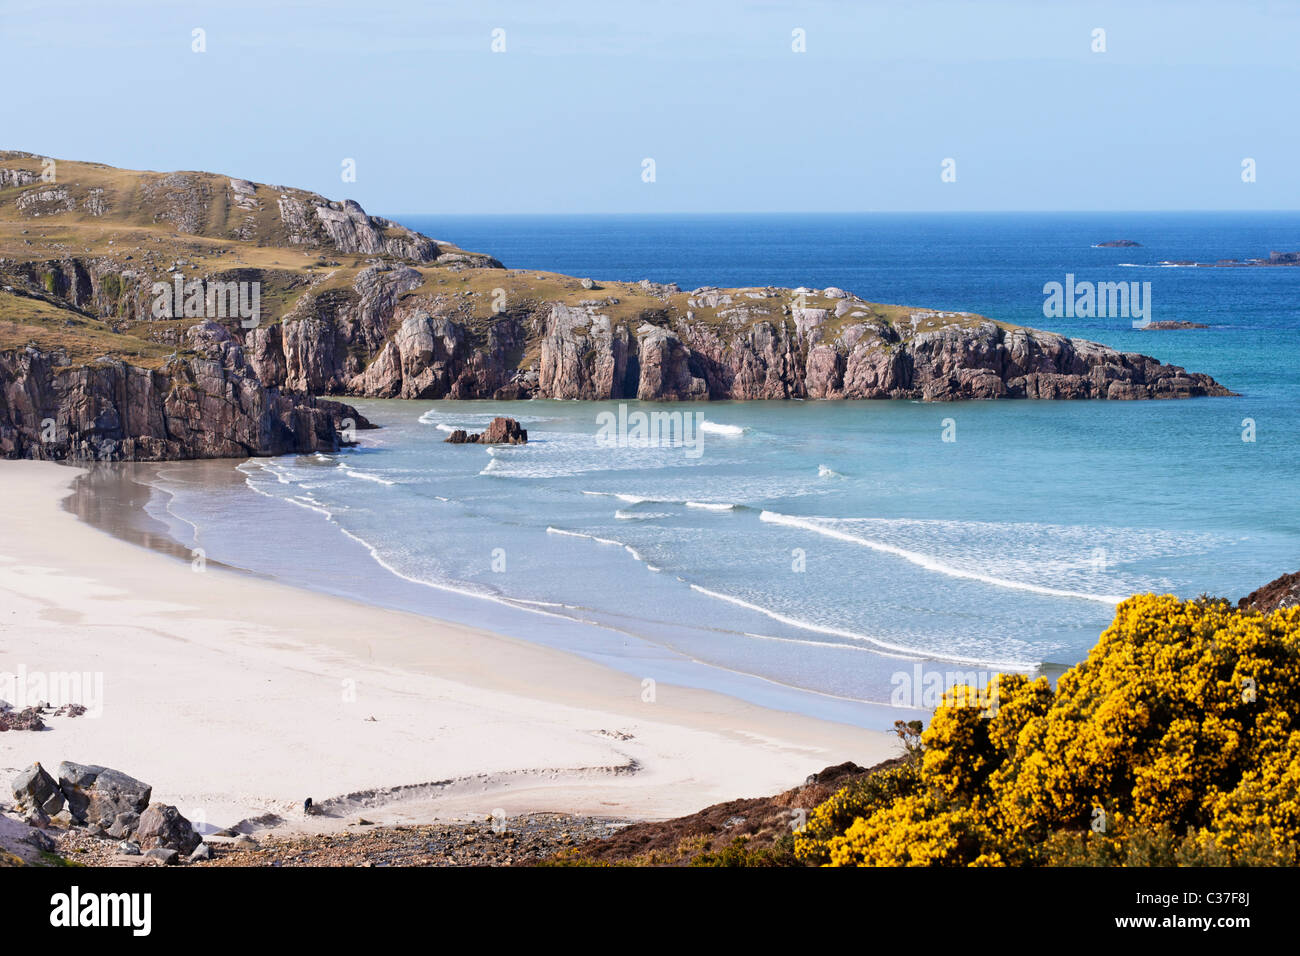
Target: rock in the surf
{"points": [[501, 431]]}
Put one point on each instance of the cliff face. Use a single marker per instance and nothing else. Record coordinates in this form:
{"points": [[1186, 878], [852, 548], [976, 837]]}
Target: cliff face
{"points": [[352, 304], [667, 354], [210, 405]]}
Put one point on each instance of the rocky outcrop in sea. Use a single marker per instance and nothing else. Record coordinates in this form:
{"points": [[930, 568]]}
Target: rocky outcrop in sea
{"points": [[500, 431]]}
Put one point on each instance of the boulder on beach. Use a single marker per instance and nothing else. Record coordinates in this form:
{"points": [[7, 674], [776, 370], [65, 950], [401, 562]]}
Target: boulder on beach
{"points": [[97, 796], [162, 826], [29, 718], [123, 825], [34, 789]]}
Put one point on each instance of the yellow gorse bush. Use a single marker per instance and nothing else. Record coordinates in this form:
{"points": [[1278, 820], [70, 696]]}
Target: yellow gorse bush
{"points": [[1176, 741]]}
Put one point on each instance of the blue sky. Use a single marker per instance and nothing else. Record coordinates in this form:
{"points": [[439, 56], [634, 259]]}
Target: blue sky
{"points": [[711, 91]]}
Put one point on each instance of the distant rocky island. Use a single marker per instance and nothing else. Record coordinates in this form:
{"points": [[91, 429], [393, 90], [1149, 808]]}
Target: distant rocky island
{"points": [[1274, 259], [1173, 324], [151, 316]]}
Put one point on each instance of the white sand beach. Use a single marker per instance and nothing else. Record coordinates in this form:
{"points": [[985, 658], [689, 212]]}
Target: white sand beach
{"points": [[237, 697]]}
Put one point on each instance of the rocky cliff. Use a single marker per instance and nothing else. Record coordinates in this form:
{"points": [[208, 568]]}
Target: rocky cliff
{"points": [[208, 405], [491, 335], [351, 304]]}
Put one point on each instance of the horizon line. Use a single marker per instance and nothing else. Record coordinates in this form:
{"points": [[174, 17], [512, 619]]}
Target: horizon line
{"points": [[858, 212]]}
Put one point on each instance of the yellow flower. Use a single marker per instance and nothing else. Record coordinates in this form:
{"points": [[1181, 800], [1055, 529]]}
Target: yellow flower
{"points": [[1176, 740]]}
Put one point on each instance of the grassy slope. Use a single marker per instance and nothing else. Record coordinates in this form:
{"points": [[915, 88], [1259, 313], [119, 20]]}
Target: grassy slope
{"points": [[138, 232]]}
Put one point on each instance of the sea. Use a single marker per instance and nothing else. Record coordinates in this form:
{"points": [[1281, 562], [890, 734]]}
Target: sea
{"points": [[823, 558]]}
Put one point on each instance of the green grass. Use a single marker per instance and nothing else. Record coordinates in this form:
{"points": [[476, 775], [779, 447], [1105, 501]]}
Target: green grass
{"points": [[49, 858]]}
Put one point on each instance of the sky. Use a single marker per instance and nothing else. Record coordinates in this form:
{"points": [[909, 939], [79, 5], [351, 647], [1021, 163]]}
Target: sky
{"points": [[714, 92]]}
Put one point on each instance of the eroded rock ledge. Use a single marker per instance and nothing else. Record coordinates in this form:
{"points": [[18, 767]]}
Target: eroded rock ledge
{"points": [[764, 349], [207, 405]]}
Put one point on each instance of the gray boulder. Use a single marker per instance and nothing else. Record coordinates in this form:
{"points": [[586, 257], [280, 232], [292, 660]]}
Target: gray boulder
{"points": [[163, 826], [36, 817], [162, 855], [98, 795], [124, 824], [34, 789]]}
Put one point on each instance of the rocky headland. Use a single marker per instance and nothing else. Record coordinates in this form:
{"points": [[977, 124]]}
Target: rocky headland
{"points": [[349, 304]]}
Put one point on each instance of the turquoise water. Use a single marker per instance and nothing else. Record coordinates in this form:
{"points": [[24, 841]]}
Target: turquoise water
{"points": [[804, 554]]}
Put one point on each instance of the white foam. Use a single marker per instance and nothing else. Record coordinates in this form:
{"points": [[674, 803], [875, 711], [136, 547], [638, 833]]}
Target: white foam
{"points": [[630, 499], [550, 529], [365, 475], [824, 472], [715, 428], [171, 500], [474, 419], [535, 607], [892, 649], [641, 500], [582, 534], [301, 501], [280, 475], [310, 503], [927, 562]]}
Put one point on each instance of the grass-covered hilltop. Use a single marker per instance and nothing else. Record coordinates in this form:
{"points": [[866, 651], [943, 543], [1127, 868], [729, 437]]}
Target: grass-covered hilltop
{"points": [[172, 315]]}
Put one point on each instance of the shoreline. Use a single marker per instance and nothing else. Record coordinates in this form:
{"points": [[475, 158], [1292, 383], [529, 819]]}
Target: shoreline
{"points": [[112, 498], [237, 696]]}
